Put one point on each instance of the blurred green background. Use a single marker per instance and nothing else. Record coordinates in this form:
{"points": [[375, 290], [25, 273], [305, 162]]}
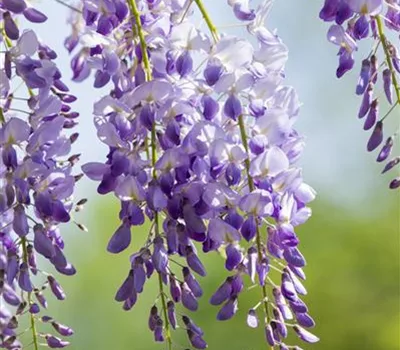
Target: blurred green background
{"points": [[351, 242], [353, 285]]}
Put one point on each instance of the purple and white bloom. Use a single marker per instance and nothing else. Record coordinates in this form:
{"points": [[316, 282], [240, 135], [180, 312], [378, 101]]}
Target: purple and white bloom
{"points": [[354, 22], [37, 174], [199, 131], [366, 7]]}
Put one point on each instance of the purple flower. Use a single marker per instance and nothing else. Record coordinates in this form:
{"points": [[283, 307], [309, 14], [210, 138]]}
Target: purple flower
{"points": [[62, 329], [42, 243], [269, 335], [222, 293], [20, 222], [395, 183], [139, 274], [153, 318], [376, 137], [232, 107], [305, 320], [192, 283], [192, 326], [56, 288], [364, 77], [366, 101], [194, 262], [371, 7], [24, 280], [359, 16], [257, 203], [228, 310], [15, 6], [252, 319], [361, 28], [160, 257], [35, 16], [55, 343], [39, 187], [175, 288], [219, 231], [305, 335], [287, 287], [386, 150], [120, 240], [171, 314], [372, 115], [387, 84], [241, 10], [392, 163], [126, 289], [205, 151], [196, 340], [233, 256], [189, 301], [329, 10]]}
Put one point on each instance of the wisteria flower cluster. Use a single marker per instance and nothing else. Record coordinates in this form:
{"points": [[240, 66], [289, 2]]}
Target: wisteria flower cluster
{"points": [[356, 20], [36, 179], [199, 129]]}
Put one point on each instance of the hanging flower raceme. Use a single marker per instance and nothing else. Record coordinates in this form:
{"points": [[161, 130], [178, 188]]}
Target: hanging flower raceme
{"points": [[356, 20], [199, 129], [36, 179]]}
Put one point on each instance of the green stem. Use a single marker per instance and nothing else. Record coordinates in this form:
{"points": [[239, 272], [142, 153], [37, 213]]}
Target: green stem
{"points": [[207, 18], [2, 119], [154, 150], [243, 135], [73, 8], [161, 289], [145, 57], [8, 45], [7, 40], [147, 69], [32, 318], [386, 49]]}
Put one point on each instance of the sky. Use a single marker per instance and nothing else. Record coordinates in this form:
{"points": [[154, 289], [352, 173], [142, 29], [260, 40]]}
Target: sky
{"points": [[335, 161]]}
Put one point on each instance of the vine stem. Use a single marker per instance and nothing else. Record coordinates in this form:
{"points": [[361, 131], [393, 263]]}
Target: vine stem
{"points": [[145, 57], [32, 318], [243, 136], [2, 119], [7, 41], [207, 18], [7, 44], [64, 3], [386, 49], [147, 69]]}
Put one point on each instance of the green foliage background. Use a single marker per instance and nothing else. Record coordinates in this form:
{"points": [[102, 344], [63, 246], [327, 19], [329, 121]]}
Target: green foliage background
{"points": [[353, 285]]}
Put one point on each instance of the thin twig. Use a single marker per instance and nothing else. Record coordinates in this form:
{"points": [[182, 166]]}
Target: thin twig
{"points": [[73, 8]]}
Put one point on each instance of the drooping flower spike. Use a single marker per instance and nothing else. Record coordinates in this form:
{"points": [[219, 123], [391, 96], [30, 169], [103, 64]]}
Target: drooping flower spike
{"points": [[377, 21], [199, 126], [36, 178]]}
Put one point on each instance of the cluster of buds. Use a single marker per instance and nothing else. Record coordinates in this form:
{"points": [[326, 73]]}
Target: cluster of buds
{"points": [[357, 20]]}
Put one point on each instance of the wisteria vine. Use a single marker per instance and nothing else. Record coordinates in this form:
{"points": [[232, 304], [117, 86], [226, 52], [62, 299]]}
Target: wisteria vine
{"points": [[37, 180], [200, 136], [199, 129], [356, 20]]}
